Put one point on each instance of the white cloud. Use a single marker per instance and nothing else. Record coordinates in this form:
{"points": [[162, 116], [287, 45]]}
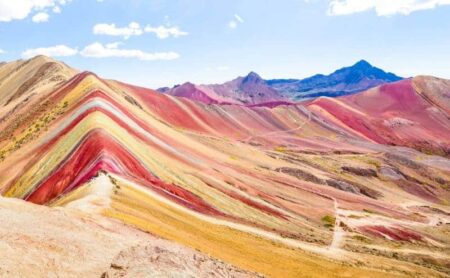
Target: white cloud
{"points": [[56, 9], [40, 17], [382, 7], [54, 51], [133, 29], [233, 24], [2, 51], [97, 50], [20, 9], [163, 32]]}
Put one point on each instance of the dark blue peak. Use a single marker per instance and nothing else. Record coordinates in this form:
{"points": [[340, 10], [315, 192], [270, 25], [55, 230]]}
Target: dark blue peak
{"points": [[362, 64]]}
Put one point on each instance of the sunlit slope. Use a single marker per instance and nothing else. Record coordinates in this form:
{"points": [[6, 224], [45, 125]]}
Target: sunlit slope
{"points": [[412, 112], [20, 80], [39, 241]]}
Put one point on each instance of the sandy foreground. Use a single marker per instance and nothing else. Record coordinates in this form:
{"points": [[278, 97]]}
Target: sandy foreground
{"points": [[38, 241]]}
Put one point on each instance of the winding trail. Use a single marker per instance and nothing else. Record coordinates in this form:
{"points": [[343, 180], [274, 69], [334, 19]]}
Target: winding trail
{"points": [[339, 233], [309, 247]]}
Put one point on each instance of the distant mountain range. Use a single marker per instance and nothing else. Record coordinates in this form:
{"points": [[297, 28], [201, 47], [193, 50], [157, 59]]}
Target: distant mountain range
{"points": [[254, 90], [349, 80], [248, 90]]}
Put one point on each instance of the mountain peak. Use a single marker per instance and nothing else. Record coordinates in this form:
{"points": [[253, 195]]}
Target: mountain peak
{"points": [[188, 84], [43, 59], [253, 74], [39, 71], [252, 77], [347, 80], [362, 64]]}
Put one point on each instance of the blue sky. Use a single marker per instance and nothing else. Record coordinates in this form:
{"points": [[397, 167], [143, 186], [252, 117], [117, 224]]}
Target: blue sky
{"points": [[157, 43]]}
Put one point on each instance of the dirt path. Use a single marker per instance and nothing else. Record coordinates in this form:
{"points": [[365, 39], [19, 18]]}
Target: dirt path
{"points": [[339, 233]]}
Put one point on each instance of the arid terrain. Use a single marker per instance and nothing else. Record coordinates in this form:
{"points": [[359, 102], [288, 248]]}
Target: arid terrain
{"points": [[101, 178]]}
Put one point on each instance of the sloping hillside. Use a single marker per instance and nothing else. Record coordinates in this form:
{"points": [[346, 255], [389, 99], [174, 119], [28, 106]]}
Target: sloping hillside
{"points": [[21, 79], [280, 191]]}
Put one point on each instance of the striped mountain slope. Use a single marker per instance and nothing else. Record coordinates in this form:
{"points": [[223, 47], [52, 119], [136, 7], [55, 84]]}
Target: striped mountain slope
{"points": [[283, 191]]}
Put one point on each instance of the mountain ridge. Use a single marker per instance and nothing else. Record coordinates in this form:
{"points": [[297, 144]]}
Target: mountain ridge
{"points": [[347, 80], [251, 89], [248, 89]]}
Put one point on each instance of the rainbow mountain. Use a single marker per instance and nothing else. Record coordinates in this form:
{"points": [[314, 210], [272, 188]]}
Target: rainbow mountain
{"points": [[118, 177]]}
